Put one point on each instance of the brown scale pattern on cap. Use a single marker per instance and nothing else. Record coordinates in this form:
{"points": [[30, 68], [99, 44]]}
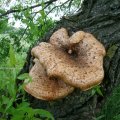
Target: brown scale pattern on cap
{"points": [[82, 71], [81, 66], [76, 37], [60, 38], [90, 53], [43, 87]]}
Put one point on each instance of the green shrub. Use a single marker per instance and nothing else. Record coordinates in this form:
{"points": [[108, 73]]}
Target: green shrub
{"points": [[9, 91], [111, 109]]}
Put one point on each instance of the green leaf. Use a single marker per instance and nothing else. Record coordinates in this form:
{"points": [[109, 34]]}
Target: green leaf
{"points": [[12, 56], [111, 51], [23, 105], [5, 99], [2, 11], [44, 113], [117, 117], [9, 104], [3, 25], [93, 92], [14, 74], [24, 76], [17, 117], [98, 90], [42, 3], [42, 12]]}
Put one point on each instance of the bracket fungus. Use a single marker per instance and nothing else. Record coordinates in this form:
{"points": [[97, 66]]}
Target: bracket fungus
{"points": [[45, 88], [80, 66]]}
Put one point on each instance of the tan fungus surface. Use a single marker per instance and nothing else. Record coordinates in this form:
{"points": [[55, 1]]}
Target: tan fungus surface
{"points": [[84, 71], [43, 87], [60, 38], [81, 66]]}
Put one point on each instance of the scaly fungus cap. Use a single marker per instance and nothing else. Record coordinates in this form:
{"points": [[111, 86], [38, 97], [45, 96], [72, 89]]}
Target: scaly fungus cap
{"points": [[56, 69], [60, 38], [83, 71], [45, 88]]}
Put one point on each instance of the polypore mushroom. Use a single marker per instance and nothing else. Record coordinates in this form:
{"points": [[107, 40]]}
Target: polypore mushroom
{"points": [[75, 39], [90, 53], [84, 71], [61, 70], [43, 87], [60, 38]]}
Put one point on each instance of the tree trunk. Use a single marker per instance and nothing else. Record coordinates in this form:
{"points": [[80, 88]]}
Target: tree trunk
{"points": [[102, 19]]}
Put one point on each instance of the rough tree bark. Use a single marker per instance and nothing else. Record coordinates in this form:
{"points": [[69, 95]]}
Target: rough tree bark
{"points": [[101, 18]]}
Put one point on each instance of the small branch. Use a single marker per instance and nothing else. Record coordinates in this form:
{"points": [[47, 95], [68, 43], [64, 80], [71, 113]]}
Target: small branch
{"points": [[23, 33], [57, 6], [31, 7], [70, 4]]}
